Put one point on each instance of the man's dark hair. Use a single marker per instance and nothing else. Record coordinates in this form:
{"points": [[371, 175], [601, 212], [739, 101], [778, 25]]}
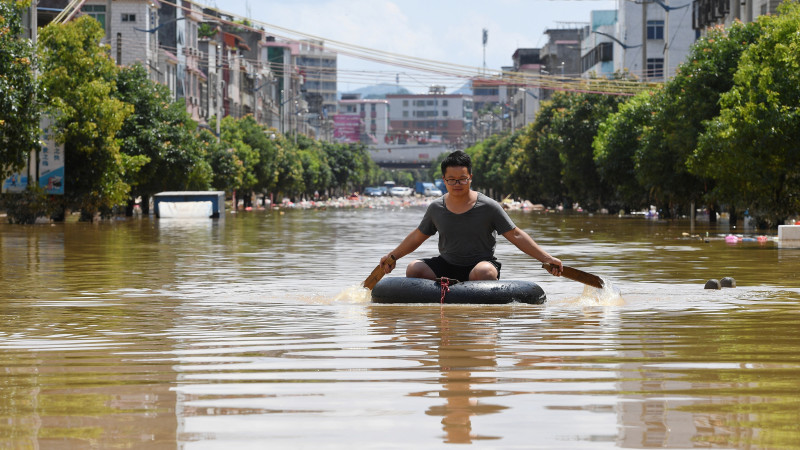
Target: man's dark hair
{"points": [[457, 159]]}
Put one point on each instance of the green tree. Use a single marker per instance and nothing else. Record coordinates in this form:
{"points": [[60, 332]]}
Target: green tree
{"points": [[490, 161], [616, 145], [225, 165], [317, 173], [578, 126], [162, 132], [350, 164], [751, 148], [539, 165], [559, 147], [19, 111], [688, 101], [233, 132], [79, 85], [288, 167]]}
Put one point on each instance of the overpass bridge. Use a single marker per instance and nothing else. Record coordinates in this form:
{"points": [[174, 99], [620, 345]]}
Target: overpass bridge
{"points": [[408, 156]]}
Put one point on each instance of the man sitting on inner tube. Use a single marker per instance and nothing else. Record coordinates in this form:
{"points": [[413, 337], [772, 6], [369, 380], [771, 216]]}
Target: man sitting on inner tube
{"points": [[467, 222]]}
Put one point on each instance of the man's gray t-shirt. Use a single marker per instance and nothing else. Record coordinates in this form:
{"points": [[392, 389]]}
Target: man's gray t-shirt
{"points": [[468, 238]]}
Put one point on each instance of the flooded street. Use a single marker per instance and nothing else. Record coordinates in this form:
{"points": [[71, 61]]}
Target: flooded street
{"points": [[251, 332]]}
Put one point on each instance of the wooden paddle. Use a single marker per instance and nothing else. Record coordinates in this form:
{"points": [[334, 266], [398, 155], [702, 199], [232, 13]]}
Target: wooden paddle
{"points": [[376, 275], [578, 275]]}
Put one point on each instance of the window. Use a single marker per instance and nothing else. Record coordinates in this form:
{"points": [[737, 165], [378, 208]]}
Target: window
{"points": [[487, 91], [97, 12], [128, 17], [444, 102], [603, 52], [655, 67], [405, 113], [655, 29], [405, 102]]}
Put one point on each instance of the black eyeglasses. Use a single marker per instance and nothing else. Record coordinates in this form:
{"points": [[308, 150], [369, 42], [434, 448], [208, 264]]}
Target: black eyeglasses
{"points": [[455, 181]]}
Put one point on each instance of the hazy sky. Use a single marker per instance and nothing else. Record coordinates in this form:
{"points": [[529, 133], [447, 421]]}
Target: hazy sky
{"points": [[449, 31]]}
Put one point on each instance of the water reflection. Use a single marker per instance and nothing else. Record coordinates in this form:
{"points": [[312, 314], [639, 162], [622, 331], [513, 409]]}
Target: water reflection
{"points": [[151, 333], [464, 351]]}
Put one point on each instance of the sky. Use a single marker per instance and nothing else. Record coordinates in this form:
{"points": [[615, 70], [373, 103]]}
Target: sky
{"points": [[447, 31]]}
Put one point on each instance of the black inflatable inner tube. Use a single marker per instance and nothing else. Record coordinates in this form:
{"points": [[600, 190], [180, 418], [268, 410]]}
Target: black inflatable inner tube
{"points": [[418, 290]]}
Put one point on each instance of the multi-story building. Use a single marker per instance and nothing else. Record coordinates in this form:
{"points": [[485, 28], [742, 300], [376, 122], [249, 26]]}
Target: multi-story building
{"points": [[209, 42], [131, 28], [318, 69], [652, 38], [706, 13], [362, 120], [488, 94], [178, 39], [432, 117], [561, 56], [281, 56], [525, 91], [597, 46]]}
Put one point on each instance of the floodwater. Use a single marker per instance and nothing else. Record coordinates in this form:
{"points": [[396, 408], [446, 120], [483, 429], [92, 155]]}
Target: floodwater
{"points": [[251, 332]]}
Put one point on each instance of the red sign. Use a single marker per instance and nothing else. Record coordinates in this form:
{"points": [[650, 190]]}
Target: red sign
{"points": [[346, 128]]}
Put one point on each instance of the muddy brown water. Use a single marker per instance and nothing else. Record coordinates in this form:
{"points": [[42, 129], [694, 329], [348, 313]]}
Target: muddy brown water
{"points": [[251, 332]]}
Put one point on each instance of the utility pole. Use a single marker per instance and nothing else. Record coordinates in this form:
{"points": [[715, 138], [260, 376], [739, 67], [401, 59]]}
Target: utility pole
{"points": [[644, 41], [666, 41], [485, 40], [219, 85]]}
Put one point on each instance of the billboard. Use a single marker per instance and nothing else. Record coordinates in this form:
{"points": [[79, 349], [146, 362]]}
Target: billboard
{"points": [[17, 182], [51, 166], [346, 128], [51, 161]]}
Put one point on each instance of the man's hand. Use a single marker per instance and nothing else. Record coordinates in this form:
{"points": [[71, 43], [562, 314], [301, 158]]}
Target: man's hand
{"points": [[388, 262], [556, 266]]}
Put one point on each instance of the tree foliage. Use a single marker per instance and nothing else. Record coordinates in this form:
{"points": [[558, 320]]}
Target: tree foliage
{"points": [[19, 110], [162, 133], [79, 86], [751, 148], [723, 129], [615, 149], [688, 101]]}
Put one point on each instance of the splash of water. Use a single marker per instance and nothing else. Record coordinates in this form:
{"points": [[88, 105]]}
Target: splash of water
{"points": [[609, 295], [354, 294]]}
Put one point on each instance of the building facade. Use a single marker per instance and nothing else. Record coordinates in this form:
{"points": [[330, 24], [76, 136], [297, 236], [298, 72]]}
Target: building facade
{"points": [[317, 67], [597, 45], [362, 121], [653, 38], [707, 13], [432, 117], [131, 28]]}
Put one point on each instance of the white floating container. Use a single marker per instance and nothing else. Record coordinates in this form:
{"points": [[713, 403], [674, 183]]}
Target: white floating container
{"points": [[189, 204], [789, 236]]}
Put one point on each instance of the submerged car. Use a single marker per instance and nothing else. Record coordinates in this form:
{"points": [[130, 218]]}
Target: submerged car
{"points": [[433, 192], [401, 191], [374, 191]]}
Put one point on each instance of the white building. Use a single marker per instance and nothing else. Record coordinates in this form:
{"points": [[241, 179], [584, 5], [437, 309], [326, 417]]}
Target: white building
{"points": [[131, 31], [365, 121], [665, 29], [597, 46], [525, 91], [318, 69], [707, 13]]}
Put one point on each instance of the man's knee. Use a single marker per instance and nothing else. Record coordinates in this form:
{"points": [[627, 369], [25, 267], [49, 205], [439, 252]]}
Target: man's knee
{"points": [[418, 269], [483, 271]]}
